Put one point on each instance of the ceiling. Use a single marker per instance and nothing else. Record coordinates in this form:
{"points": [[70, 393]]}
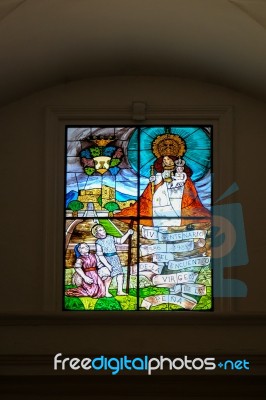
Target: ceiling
{"points": [[48, 42]]}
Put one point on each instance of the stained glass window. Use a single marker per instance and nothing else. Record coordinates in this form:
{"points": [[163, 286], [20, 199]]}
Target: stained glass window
{"points": [[138, 218]]}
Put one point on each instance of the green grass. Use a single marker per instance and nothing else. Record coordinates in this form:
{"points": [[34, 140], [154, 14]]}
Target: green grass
{"points": [[73, 303], [107, 303], [152, 291], [130, 302], [127, 302], [205, 302], [205, 276], [70, 287]]}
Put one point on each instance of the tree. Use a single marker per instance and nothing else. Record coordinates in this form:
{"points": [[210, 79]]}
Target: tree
{"points": [[75, 206], [111, 206], [100, 200]]}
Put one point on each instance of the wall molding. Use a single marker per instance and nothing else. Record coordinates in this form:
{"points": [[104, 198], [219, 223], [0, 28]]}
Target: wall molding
{"points": [[80, 318], [133, 387]]}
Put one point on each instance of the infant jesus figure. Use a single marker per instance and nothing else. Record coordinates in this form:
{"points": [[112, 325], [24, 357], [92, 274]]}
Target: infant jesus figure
{"points": [[179, 177]]}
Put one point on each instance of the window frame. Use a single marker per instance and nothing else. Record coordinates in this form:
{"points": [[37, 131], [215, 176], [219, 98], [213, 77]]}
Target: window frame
{"points": [[57, 119]]}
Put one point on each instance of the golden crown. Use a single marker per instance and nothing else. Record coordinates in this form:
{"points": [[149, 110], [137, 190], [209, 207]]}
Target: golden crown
{"points": [[102, 142]]}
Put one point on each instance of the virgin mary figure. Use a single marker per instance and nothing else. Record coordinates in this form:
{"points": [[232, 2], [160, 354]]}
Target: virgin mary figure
{"points": [[170, 191]]}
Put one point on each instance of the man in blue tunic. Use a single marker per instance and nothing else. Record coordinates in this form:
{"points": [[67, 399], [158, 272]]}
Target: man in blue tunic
{"points": [[106, 251]]}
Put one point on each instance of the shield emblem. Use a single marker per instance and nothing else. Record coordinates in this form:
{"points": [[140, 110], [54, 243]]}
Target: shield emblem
{"points": [[102, 164]]}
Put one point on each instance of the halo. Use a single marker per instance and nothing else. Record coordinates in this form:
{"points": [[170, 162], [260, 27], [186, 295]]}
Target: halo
{"points": [[178, 148], [197, 155]]}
